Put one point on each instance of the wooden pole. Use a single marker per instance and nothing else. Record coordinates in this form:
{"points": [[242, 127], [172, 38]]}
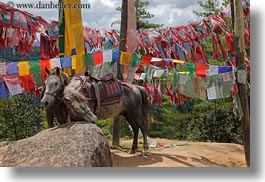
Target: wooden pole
{"points": [[123, 30], [242, 88]]}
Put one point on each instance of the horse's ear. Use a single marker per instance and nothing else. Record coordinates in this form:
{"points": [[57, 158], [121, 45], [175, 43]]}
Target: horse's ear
{"points": [[47, 70], [58, 70]]}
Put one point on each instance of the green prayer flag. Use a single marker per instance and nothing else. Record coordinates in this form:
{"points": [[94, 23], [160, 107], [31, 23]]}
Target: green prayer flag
{"points": [[37, 78], [136, 59], [88, 60], [34, 66], [190, 67]]}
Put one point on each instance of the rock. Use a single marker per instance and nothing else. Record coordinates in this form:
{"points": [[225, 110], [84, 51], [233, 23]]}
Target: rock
{"points": [[81, 145]]}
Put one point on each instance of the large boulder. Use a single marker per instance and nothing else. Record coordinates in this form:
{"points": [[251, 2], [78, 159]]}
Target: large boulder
{"points": [[81, 145]]}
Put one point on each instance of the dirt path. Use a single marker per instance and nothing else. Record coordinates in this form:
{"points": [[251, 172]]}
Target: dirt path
{"points": [[183, 154], [179, 154]]}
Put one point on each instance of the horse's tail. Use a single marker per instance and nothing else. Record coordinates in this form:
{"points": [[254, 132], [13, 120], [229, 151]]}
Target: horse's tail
{"points": [[145, 106]]}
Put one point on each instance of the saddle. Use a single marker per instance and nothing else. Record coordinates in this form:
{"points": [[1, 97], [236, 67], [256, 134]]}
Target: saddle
{"points": [[102, 91]]}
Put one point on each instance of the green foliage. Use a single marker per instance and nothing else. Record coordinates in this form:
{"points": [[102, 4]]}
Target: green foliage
{"points": [[142, 16], [20, 117], [211, 7], [209, 121]]}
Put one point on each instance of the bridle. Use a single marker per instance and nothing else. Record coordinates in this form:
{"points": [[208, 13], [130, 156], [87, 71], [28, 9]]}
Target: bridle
{"points": [[55, 92]]}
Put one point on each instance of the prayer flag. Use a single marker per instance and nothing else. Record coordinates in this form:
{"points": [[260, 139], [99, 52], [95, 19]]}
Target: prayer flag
{"points": [[55, 62], [136, 59], [98, 58], [34, 66], [107, 56], [12, 68], [116, 55], [27, 83], [201, 70], [43, 64], [13, 84], [3, 91], [66, 62], [125, 58], [88, 60], [74, 62], [2, 68], [146, 59], [156, 59], [23, 68], [190, 67]]}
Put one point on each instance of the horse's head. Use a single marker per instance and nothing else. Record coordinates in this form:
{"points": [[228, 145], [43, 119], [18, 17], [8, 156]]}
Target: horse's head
{"points": [[54, 86]]}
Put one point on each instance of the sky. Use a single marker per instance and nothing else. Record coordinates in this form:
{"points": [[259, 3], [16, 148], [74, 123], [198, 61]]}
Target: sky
{"points": [[102, 13]]}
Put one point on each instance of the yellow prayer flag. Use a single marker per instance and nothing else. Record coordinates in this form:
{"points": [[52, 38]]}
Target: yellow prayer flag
{"points": [[74, 62], [125, 58], [178, 61], [79, 64], [23, 68]]}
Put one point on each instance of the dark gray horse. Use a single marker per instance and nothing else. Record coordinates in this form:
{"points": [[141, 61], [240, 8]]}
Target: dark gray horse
{"points": [[133, 104]]}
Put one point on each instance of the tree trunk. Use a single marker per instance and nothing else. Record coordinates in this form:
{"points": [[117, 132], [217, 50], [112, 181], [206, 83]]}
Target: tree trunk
{"points": [[242, 88], [123, 31]]}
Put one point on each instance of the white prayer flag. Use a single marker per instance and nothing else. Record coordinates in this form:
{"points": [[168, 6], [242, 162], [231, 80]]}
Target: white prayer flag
{"points": [[211, 93], [107, 55], [55, 62], [212, 70], [158, 73], [2, 69], [156, 59]]}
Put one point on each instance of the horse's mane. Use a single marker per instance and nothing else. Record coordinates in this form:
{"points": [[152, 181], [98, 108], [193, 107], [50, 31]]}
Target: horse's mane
{"points": [[62, 75]]}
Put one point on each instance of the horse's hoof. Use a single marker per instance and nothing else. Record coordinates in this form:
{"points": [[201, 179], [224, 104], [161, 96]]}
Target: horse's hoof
{"points": [[131, 152], [144, 153]]}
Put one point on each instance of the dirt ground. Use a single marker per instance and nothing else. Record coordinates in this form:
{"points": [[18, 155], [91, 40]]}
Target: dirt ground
{"points": [[182, 154], [173, 153]]}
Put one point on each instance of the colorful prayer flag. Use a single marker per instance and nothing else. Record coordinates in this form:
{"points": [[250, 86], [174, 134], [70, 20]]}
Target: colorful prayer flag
{"points": [[2, 68], [98, 58], [13, 84], [88, 60], [107, 55], [146, 59], [12, 68], [201, 70], [43, 64], [55, 62], [125, 58], [23, 68]]}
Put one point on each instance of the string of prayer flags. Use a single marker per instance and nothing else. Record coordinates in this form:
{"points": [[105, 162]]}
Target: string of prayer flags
{"points": [[12, 68], [107, 56], [44, 64], [55, 62], [201, 70], [13, 84], [125, 58], [88, 60], [3, 91], [98, 58], [146, 59], [116, 55], [23, 68], [136, 59], [2, 68]]}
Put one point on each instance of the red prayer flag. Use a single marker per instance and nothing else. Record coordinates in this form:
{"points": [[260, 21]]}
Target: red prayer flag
{"points": [[43, 64], [146, 59], [201, 70], [27, 83], [98, 58]]}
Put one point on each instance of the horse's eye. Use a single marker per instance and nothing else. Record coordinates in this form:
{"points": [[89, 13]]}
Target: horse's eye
{"points": [[55, 83]]}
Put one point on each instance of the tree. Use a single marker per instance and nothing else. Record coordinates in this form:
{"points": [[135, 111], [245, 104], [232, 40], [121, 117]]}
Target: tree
{"points": [[211, 7], [142, 16]]}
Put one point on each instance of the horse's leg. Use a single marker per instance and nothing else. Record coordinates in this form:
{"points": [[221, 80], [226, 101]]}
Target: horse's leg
{"points": [[135, 129], [49, 117], [144, 131]]}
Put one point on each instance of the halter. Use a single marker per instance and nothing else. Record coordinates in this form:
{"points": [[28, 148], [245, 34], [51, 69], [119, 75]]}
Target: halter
{"points": [[54, 93]]}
